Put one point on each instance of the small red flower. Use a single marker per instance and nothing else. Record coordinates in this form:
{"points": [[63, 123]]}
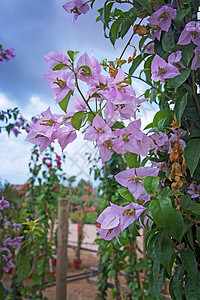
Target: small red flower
{"points": [[49, 165], [55, 188]]}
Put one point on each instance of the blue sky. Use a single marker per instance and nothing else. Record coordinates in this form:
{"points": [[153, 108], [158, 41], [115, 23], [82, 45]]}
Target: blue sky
{"points": [[34, 28]]}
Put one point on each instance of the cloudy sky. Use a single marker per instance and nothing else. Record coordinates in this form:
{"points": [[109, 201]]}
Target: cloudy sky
{"points": [[34, 28]]}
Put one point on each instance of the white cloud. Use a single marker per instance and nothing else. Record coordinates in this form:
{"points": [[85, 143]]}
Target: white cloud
{"points": [[6, 103], [14, 158]]}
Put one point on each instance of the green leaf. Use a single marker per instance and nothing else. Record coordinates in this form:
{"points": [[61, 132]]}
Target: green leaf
{"points": [[124, 192], [59, 66], [165, 121], [168, 40], [176, 227], [106, 12], [192, 289], [189, 261], [198, 234], [148, 237], [2, 292], [190, 238], [132, 160], [87, 69], [77, 119], [90, 117], [130, 15], [65, 101], [177, 282], [180, 79], [163, 249], [23, 267], [192, 154], [158, 48], [174, 192], [187, 54], [72, 54], [124, 27], [115, 28], [156, 279], [180, 106], [162, 211], [180, 15], [194, 208], [105, 257], [147, 67], [136, 62], [186, 201], [150, 184], [145, 4], [111, 273]]}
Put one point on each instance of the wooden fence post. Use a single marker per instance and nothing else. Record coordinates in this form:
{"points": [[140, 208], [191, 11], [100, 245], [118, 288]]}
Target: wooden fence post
{"points": [[61, 269]]}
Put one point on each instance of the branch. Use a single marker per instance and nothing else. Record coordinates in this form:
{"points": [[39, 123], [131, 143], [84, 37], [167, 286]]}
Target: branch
{"points": [[129, 41], [139, 78]]}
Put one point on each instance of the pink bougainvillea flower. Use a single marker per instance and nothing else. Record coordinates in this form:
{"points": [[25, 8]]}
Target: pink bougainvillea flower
{"points": [[191, 32], [110, 222], [60, 83], [43, 132], [133, 178], [159, 139], [99, 131], [10, 52], [196, 59], [156, 34], [65, 135], [124, 110], [54, 58], [14, 243], [173, 138], [175, 59], [130, 213], [194, 190], [3, 203], [106, 149], [162, 17], [114, 219], [78, 105], [132, 139], [94, 66], [16, 131], [127, 135], [118, 90], [77, 7], [16, 226], [149, 48], [161, 70]]}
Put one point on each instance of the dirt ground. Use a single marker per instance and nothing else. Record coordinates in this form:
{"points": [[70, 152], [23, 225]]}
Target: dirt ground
{"points": [[78, 289]]}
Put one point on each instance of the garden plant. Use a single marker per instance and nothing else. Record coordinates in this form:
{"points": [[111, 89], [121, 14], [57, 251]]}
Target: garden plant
{"points": [[161, 185]]}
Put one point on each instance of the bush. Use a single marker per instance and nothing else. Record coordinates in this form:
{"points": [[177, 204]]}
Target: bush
{"points": [[75, 200], [91, 217], [96, 201]]}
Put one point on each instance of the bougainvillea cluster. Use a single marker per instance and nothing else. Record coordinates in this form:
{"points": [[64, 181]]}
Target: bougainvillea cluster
{"points": [[6, 54], [162, 179], [7, 244]]}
